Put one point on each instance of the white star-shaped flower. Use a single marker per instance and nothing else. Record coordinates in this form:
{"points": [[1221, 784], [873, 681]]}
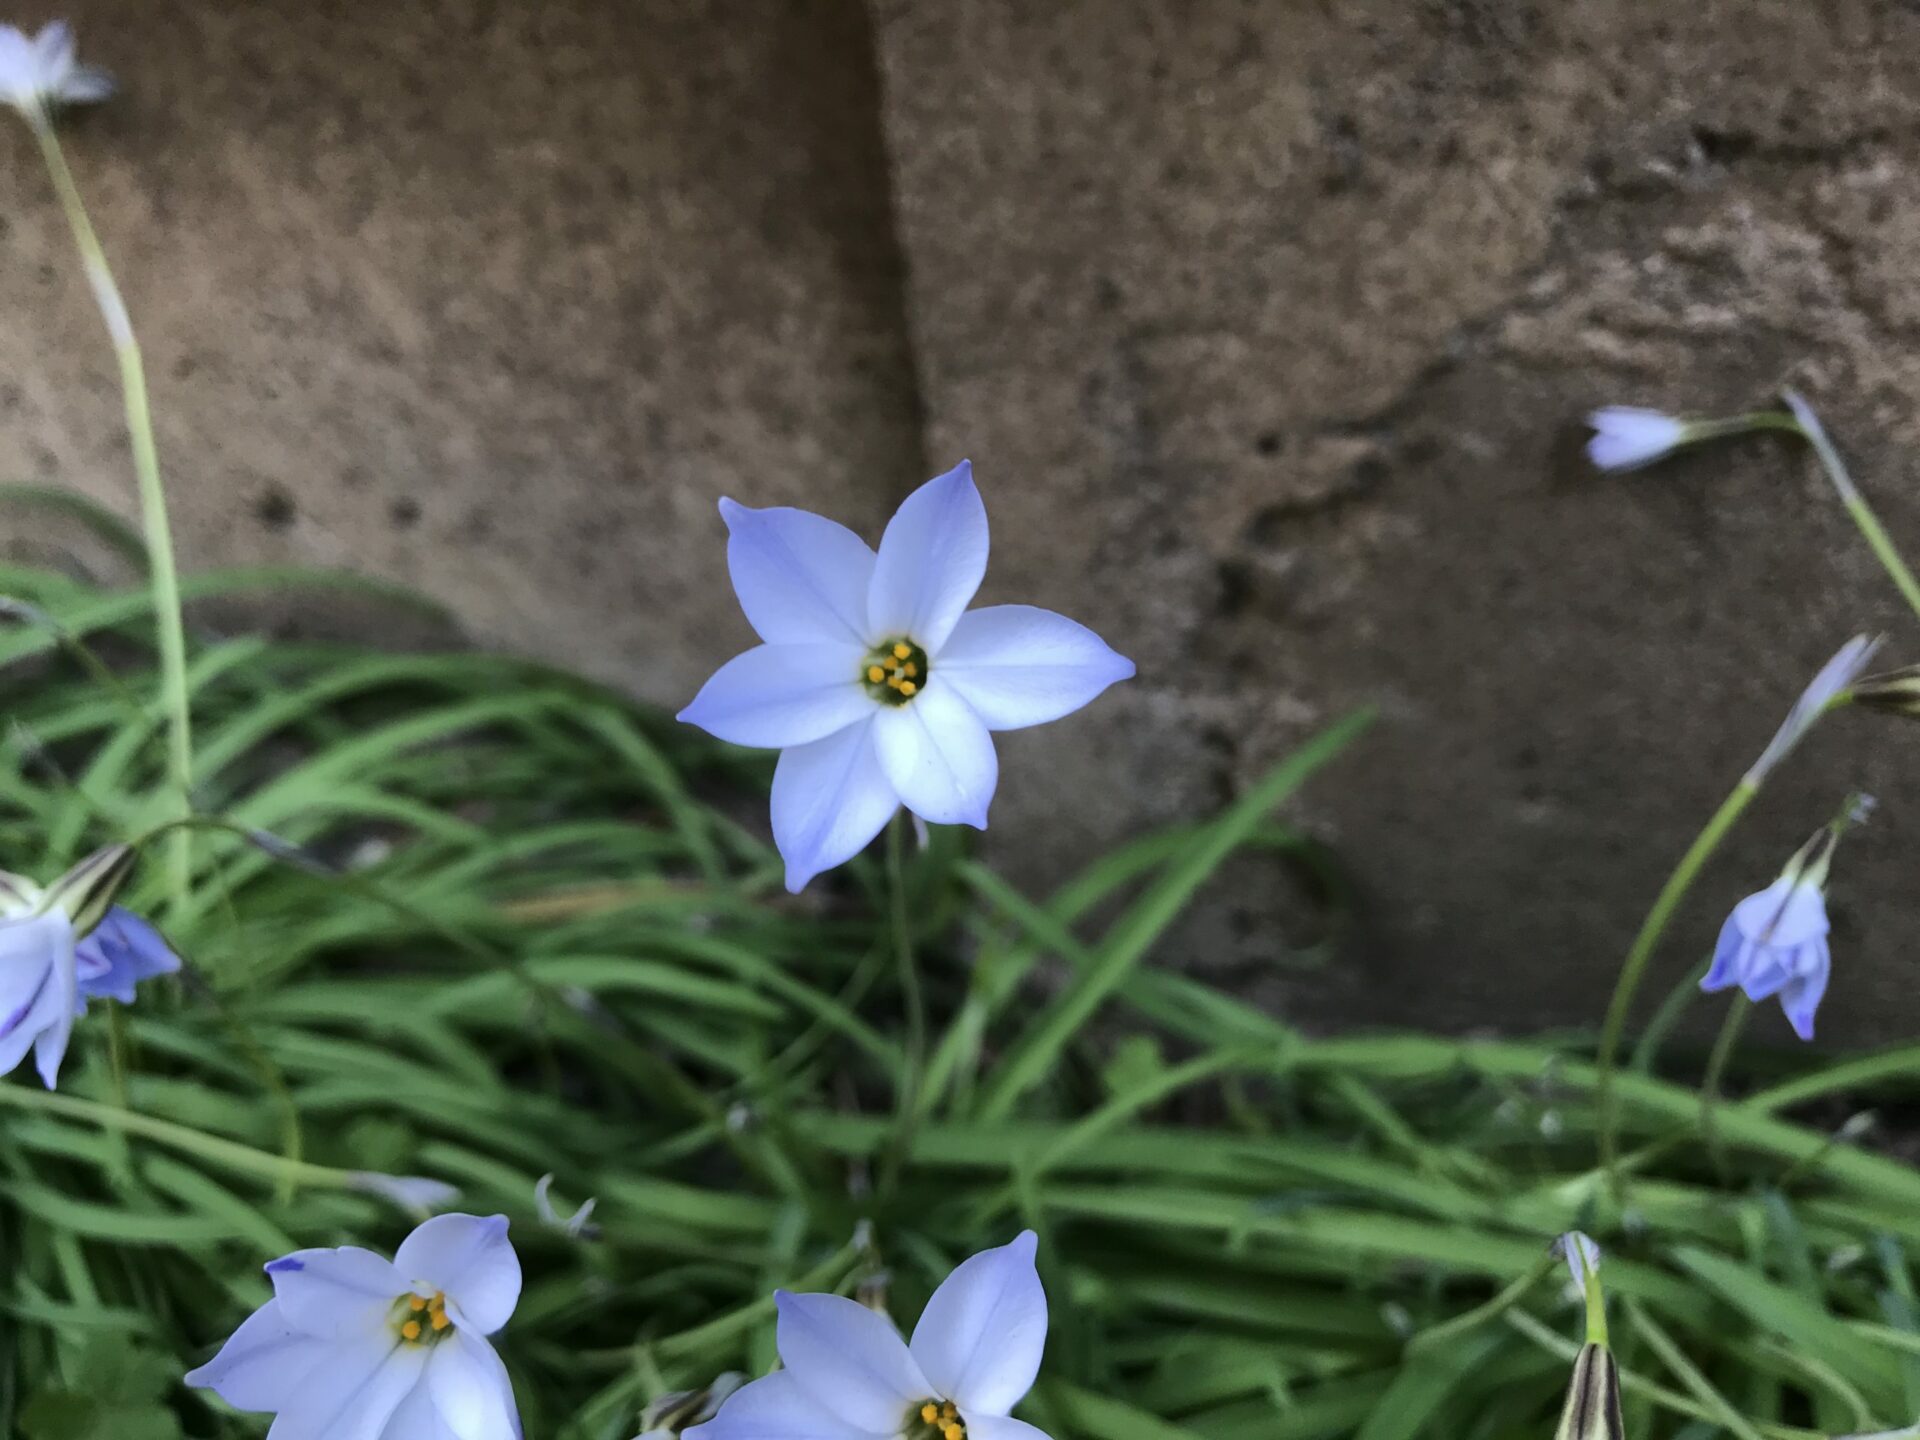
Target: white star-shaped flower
{"points": [[38, 72], [876, 683], [849, 1376], [355, 1344]]}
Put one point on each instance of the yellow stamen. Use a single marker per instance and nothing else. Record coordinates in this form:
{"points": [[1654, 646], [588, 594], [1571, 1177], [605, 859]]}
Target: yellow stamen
{"points": [[954, 1431], [892, 662], [950, 1411], [411, 1330], [875, 674], [911, 668], [929, 1412], [907, 687], [440, 1321], [416, 1304], [894, 682], [901, 650]]}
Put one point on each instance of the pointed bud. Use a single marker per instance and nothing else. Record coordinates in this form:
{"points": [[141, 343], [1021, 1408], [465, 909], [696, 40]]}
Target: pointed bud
{"points": [[1834, 681], [1625, 437], [670, 1415], [86, 892], [1592, 1411], [1897, 692]]}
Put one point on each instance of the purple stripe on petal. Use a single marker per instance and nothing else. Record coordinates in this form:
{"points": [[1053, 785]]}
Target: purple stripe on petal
{"points": [[288, 1266]]}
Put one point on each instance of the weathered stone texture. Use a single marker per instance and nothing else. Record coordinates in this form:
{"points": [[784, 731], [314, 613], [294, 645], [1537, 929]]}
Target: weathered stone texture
{"points": [[1269, 326], [494, 299]]}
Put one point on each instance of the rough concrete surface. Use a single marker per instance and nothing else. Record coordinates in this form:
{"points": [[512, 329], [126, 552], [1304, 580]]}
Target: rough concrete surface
{"points": [[494, 299], [1266, 325], [1272, 322]]}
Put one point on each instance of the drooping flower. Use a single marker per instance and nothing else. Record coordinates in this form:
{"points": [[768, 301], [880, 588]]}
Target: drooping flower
{"points": [[1625, 437], [121, 952], [849, 1376], [1775, 941], [40, 934], [354, 1344], [40, 71], [1834, 680], [875, 683]]}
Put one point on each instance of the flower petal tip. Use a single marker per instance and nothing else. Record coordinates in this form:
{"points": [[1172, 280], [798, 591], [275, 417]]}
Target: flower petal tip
{"points": [[1025, 1243]]}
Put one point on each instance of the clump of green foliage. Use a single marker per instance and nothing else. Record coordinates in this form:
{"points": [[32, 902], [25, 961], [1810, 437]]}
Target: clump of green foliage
{"points": [[464, 917]]}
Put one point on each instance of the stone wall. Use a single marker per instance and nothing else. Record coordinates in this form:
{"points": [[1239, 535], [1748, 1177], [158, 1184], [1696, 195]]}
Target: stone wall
{"points": [[1266, 325]]}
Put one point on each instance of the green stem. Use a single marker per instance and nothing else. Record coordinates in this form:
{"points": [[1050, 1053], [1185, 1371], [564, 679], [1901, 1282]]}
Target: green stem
{"points": [[1881, 543], [1633, 968], [1723, 1047], [153, 502], [911, 996], [231, 1153]]}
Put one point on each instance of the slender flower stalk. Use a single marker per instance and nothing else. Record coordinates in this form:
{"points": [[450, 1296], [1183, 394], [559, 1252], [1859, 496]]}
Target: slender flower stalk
{"points": [[1881, 543], [1830, 687], [153, 498]]}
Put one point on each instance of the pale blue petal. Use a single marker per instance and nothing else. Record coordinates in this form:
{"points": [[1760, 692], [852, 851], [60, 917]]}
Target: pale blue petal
{"points": [[801, 578], [933, 557], [1803, 993], [830, 799], [774, 696], [1728, 953], [981, 1336], [776, 1408], [984, 1426], [938, 756], [471, 1389], [262, 1363], [417, 1417], [334, 1292], [355, 1390], [849, 1359], [52, 1015], [471, 1260], [122, 951], [1019, 665]]}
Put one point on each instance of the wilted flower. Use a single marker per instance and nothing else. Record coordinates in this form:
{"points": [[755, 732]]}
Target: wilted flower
{"points": [[1835, 679], [1626, 437], [121, 952], [40, 931], [409, 1192], [1775, 941], [38, 72], [353, 1344], [875, 683], [577, 1226], [849, 1376]]}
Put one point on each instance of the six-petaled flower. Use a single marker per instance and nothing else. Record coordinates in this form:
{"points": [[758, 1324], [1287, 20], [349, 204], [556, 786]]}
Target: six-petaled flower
{"points": [[875, 682], [41, 71]]}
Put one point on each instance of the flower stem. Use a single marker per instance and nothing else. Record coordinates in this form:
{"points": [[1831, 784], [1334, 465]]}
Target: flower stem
{"points": [[153, 502], [911, 997], [230, 1153], [1633, 968], [1881, 543], [1723, 1047]]}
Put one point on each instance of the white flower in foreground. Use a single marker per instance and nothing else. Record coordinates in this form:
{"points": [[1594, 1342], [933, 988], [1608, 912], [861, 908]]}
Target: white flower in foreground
{"points": [[849, 1376], [39, 71], [355, 1345], [1626, 437], [875, 683], [1834, 679]]}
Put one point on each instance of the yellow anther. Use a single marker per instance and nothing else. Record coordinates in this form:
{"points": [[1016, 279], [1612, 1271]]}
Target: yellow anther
{"points": [[411, 1330], [954, 1431], [950, 1411], [875, 674], [929, 1412], [907, 687], [901, 650], [892, 662], [416, 1304], [894, 682], [439, 1321], [910, 668]]}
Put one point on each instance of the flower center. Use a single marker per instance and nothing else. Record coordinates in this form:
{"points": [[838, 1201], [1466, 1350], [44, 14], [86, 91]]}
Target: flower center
{"points": [[935, 1420], [895, 672], [420, 1320]]}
